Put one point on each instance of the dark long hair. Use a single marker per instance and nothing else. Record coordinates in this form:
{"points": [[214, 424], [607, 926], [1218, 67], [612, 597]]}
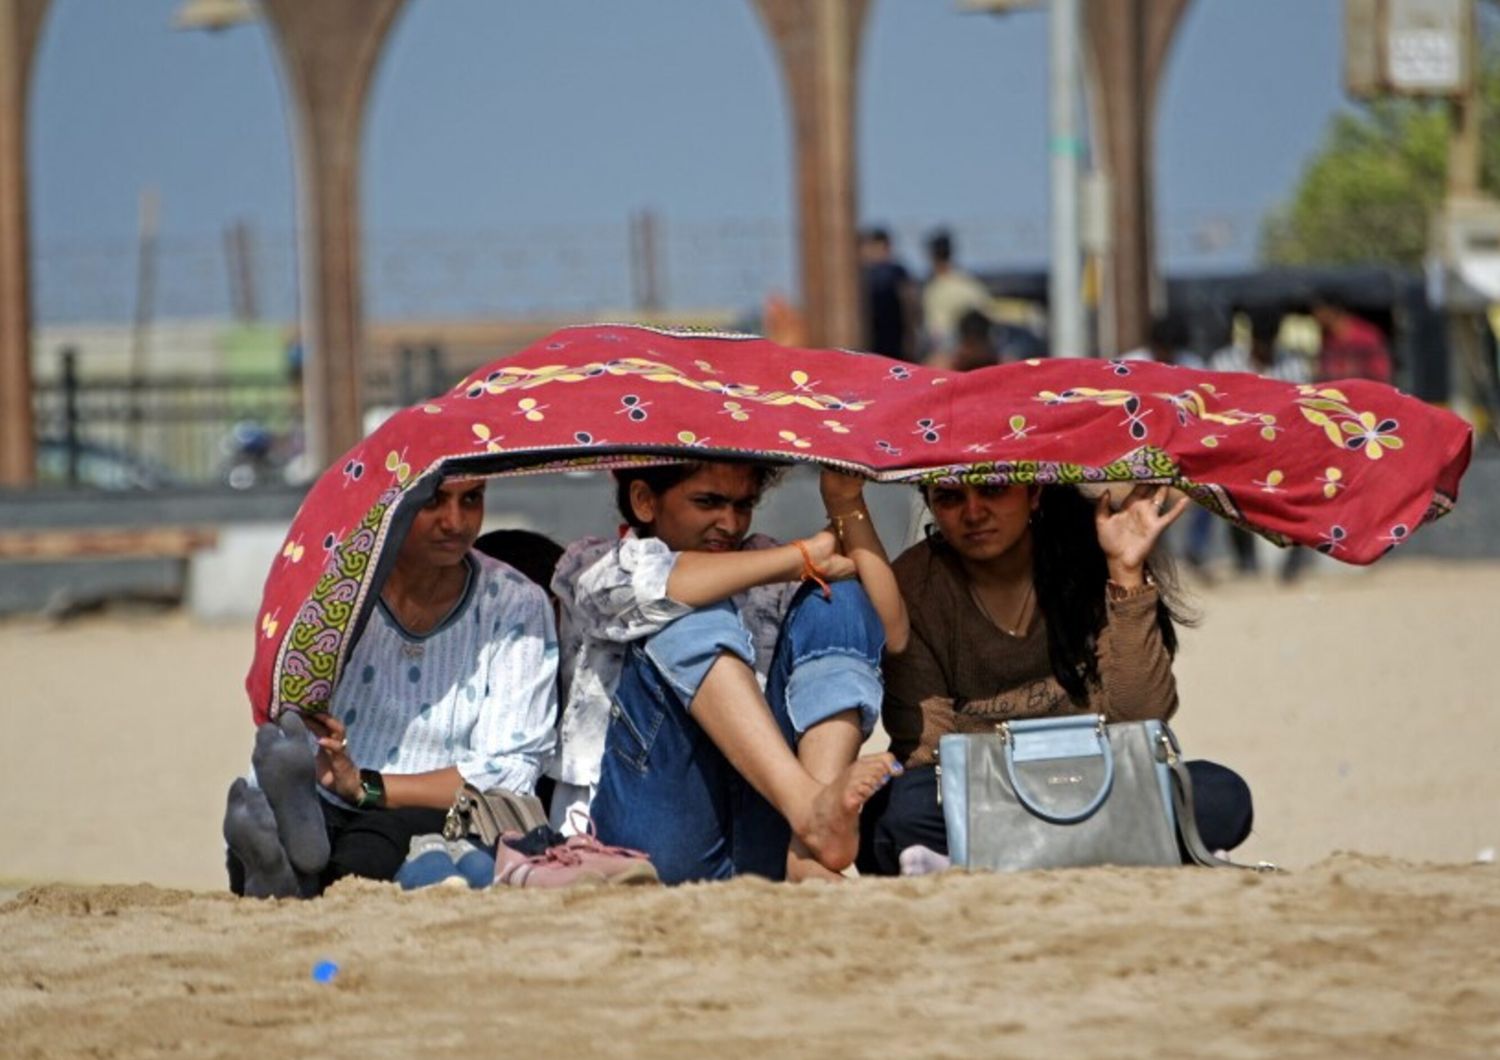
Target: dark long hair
{"points": [[663, 477], [1070, 572]]}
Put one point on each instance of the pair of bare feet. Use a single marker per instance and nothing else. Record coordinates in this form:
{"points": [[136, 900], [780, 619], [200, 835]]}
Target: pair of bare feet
{"points": [[826, 843], [277, 829]]}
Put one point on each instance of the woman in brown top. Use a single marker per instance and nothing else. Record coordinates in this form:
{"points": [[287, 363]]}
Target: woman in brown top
{"points": [[1029, 601]]}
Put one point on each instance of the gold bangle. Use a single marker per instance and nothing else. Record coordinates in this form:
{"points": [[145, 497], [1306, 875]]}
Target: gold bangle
{"points": [[858, 515]]}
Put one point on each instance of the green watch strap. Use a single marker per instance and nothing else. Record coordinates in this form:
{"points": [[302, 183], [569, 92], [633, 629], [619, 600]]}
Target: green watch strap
{"points": [[372, 785]]}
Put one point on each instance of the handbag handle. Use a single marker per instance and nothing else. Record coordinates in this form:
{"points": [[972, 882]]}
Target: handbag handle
{"points": [[1008, 740]]}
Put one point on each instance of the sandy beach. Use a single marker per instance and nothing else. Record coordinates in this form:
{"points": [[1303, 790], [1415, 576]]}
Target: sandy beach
{"points": [[1359, 704]]}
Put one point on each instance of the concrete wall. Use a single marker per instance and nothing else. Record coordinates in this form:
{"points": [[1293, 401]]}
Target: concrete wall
{"points": [[225, 582]]}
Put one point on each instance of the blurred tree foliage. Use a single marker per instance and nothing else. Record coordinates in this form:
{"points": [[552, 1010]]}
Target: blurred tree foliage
{"points": [[1369, 193]]}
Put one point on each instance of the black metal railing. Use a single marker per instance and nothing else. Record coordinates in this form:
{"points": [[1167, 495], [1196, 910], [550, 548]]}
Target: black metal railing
{"points": [[240, 430]]}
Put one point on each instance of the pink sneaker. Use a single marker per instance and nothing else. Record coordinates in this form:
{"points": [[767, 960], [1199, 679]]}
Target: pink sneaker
{"points": [[580, 860]]}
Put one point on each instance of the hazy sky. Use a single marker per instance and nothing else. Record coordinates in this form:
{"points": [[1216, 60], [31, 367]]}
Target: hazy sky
{"points": [[498, 126]]}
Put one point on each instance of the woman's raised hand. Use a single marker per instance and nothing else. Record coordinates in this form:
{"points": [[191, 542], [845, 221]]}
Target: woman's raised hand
{"points": [[862, 553], [1127, 534], [842, 491]]}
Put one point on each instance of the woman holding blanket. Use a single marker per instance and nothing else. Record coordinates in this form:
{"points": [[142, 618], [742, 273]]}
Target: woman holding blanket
{"points": [[718, 686], [1030, 601], [451, 682]]}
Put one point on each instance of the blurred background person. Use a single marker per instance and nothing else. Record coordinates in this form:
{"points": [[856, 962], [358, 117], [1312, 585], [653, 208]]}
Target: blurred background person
{"points": [[976, 343], [1255, 348], [983, 342], [1166, 343], [950, 292], [1352, 347], [888, 297]]}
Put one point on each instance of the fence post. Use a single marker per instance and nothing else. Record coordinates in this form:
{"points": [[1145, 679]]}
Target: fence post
{"points": [[406, 383], [70, 410], [437, 376], [645, 261]]}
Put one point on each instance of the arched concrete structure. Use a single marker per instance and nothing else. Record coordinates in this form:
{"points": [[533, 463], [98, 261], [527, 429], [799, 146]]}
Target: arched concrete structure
{"points": [[1128, 43], [819, 55], [20, 29], [328, 51]]}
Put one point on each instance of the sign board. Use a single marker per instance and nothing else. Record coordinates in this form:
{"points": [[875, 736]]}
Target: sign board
{"points": [[1408, 47], [1425, 46]]}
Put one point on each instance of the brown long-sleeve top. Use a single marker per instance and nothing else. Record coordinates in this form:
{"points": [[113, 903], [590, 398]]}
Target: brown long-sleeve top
{"points": [[960, 673]]}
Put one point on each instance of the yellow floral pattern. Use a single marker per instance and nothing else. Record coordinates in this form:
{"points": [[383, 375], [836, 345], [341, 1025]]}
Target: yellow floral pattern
{"points": [[508, 378], [1344, 426], [1190, 405]]}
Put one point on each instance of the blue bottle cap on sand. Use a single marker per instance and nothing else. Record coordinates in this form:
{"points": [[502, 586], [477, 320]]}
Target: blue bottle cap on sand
{"points": [[324, 971]]}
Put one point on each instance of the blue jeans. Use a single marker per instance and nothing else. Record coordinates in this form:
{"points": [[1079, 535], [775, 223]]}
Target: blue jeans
{"points": [[666, 789]]}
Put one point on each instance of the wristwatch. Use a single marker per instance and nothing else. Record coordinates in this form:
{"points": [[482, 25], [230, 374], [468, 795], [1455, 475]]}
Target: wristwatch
{"points": [[372, 789]]}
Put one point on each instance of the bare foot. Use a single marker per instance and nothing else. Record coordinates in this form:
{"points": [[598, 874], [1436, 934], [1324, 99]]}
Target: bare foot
{"points": [[832, 831], [802, 867]]}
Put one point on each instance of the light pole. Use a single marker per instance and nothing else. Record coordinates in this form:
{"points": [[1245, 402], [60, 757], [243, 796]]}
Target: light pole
{"points": [[1064, 283], [1065, 278]]}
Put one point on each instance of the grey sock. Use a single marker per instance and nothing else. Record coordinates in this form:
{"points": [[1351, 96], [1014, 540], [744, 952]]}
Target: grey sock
{"points": [[286, 766], [250, 831]]}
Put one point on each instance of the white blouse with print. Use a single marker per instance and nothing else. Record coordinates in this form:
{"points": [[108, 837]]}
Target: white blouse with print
{"points": [[615, 592]]}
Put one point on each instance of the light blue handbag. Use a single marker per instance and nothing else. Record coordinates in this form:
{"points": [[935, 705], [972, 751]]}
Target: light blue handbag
{"points": [[1062, 792]]}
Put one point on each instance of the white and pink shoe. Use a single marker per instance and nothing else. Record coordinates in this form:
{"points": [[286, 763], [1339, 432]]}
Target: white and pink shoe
{"points": [[579, 860]]}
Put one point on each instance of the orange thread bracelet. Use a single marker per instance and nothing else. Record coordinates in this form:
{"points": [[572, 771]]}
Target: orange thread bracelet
{"points": [[810, 571]]}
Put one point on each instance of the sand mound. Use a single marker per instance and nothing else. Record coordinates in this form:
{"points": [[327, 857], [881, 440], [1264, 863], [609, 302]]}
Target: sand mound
{"points": [[1357, 956], [72, 900], [1359, 706]]}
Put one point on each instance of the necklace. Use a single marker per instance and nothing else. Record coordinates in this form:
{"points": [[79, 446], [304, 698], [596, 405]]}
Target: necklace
{"points": [[418, 618], [1021, 616]]}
